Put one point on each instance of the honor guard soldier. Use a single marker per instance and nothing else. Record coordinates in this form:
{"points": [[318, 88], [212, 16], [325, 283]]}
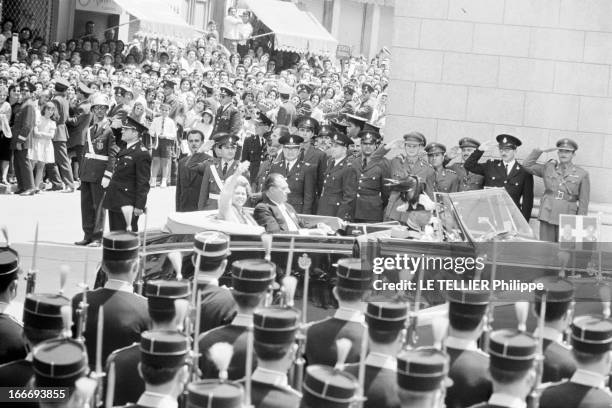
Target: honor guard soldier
{"points": [[410, 163], [328, 387], [300, 175], [254, 147], [445, 180], [251, 279], [42, 320], [12, 346], [340, 185], [591, 338], [164, 359], [422, 378], [507, 172], [274, 331], [218, 306], [228, 118], [96, 171], [215, 172], [308, 128], [129, 184], [125, 313], [467, 180], [372, 194], [468, 364], [353, 286], [168, 302], [558, 360], [567, 187], [512, 356], [386, 323]]}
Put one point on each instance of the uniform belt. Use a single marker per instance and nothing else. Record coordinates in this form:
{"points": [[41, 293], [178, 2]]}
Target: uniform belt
{"points": [[214, 196], [562, 195], [96, 156]]}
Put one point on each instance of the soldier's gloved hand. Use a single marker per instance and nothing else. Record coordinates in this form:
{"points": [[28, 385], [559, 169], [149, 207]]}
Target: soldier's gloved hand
{"points": [[487, 145], [105, 182], [453, 152]]}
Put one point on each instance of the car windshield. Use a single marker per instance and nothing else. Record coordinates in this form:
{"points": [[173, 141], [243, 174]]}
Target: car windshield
{"points": [[483, 214]]}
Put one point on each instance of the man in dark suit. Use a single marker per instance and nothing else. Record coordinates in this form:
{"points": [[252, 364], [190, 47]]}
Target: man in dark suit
{"points": [[78, 126], [274, 213], [129, 184], [125, 313], [60, 172], [308, 128], [254, 147], [215, 172], [96, 172], [22, 129], [507, 172], [228, 119], [340, 185], [188, 181], [287, 111]]}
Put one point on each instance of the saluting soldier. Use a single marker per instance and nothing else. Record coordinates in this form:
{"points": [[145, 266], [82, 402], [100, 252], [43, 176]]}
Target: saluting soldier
{"points": [[467, 180], [119, 112], [591, 338], [12, 346], [251, 279], [353, 286], [228, 118], [468, 364], [300, 175], [567, 187], [96, 171], [188, 180], [308, 128], [254, 147], [167, 304], [507, 172], [125, 313], [386, 330], [422, 377], [340, 185], [129, 183], [215, 172], [445, 180], [411, 163], [372, 193]]}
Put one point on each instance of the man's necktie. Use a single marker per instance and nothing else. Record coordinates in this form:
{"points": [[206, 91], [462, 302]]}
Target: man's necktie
{"points": [[506, 169], [365, 162], [225, 169], [288, 167]]}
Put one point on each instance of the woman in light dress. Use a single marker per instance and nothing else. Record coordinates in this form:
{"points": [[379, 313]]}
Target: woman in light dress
{"points": [[42, 145], [5, 134]]}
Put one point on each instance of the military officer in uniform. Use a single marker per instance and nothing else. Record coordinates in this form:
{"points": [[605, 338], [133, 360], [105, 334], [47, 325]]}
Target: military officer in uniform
{"points": [[422, 377], [507, 172], [300, 175], [254, 147], [445, 180], [125, 313], [558, 360], [386, 329], [468, 364], [129, 183], [340, 186], [308, 128], [119, 112], [322, 141], [467, 180], [367, 102], [410, 163], [188, 180], [96, 171], [372, 193], [353, 285], [227, 119], [328, 387], [567, 187], [168, 302], [12, 346], [24, 120], [61, 171], [591, 338], [215, 172], [251, 279]]}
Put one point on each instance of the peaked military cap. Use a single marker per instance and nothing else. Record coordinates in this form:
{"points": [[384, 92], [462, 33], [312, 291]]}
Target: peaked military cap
{"points": [[326, 387], [164, 348], [161, 294], [59, 362], [422, 369], [512, 350], [567, 144], [415, 137], [508, 141], [307, 122], [9, 261], [468, 302], [227, 90], [469, 142], [352, 274], [371, 127], [434, 148], [291, 140], [557, 289], [131, 123], [222, 139], [341, 139], [44, 311], [211, 245], [338, 126], [591, 334], [214, 394], [389, 316], [368, 136], [61, 85], [356, 120], [252, 275], [275, 325], [119, 246], [326, 131]]}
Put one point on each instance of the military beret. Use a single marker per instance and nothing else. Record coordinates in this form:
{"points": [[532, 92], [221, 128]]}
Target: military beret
{"points": [[512, 350], [211, 245], [119, 246], [434, 148], [275, 325], [327, 387], [508, 141], [388, 316], [415, 137], [423, 369], [59, 362], [61, 85], [227, 90], [9, 261], [556, 289], [341, 139], [44, 311], [166, 349], [352, 274], [131, 123], [214, 394], [469, 142], [591, 334], [252, 275], [567, 144]]}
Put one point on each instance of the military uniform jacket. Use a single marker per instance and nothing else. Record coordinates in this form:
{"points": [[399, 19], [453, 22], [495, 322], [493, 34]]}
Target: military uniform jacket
{"points": [[208, 198], [130, 182], [518, 183], [372, 194], [318, 160], [24, 121], [126, 315], [62, 106], [445, 181], [573, 394], [12, 345], [253, 150], [302, 181], [339, 190], [380, 382], [100, 155], [566, 191], [321, 337], [467, 180], [189, 182], [286, 114], [471, 382], [228, 120], [128, 383], [559, 363], [402, 168], [78, 125], [17, 373], [218, 307]]}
